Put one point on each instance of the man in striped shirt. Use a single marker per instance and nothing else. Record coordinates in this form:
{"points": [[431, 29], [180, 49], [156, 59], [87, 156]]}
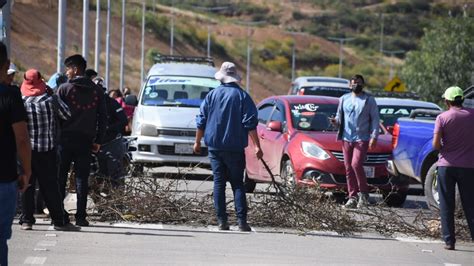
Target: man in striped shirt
{"points": [[43, 111]]}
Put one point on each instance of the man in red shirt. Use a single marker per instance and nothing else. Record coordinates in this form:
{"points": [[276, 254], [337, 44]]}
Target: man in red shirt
{"points": [[453, 138]]}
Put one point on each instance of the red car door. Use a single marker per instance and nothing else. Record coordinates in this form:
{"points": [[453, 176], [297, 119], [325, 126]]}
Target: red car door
{"points": [[273, 143]]}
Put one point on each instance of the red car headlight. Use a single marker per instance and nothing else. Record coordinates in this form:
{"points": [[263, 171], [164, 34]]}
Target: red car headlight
{"points": [[313, 150]]}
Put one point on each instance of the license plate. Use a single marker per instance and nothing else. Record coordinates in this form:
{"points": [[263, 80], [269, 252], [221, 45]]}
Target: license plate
{"points": [[183, 148], [369, 171]]}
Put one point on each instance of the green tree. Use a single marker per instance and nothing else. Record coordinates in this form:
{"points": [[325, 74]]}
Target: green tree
{"points": [[445, 58]]}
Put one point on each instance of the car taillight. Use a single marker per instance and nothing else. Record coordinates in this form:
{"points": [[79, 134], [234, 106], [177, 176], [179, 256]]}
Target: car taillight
{"points": [[395, 133], [301, 92]]}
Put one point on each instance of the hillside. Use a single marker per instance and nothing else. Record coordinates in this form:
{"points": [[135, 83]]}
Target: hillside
{"points": [[34, 35]]}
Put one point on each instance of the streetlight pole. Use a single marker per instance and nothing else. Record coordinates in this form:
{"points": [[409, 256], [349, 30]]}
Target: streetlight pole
{"points": [[293, 53], [6, 13], [107, 47], [97, 38], [172, 29], [85, 29], [391, 53], [341, 44], [143, 43], [62, 5], [249, 49], [122, 49]]}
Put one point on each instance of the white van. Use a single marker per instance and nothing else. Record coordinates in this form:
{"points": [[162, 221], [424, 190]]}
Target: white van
{"points": [[164, 120], [324, 86]]}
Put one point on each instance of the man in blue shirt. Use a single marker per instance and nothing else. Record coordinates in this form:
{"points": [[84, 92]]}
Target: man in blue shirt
{"points": [[227, 117], [358, 119]]}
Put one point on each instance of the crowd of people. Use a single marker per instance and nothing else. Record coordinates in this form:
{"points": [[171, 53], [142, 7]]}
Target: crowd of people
{"points": [[45, 129]]}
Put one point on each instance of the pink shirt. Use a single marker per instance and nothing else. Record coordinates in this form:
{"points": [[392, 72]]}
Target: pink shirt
{"points": [[457, 143]]}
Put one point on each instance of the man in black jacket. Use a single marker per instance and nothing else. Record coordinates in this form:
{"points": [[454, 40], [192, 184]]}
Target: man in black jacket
{"points": [[83, 132]]}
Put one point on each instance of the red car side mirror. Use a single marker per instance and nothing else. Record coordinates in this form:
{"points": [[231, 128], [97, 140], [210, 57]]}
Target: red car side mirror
{"points": [[274, 126]]}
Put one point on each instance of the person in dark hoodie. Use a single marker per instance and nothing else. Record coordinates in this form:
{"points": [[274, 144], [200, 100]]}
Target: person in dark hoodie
{"points": [[112, 151], [83, 132]]}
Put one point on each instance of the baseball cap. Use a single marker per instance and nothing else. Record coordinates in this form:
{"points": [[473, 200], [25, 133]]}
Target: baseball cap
{"points": [[452, 92]]}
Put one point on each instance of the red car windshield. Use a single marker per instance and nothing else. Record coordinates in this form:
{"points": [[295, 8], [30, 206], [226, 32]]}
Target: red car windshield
{"points": [[312, 116]]}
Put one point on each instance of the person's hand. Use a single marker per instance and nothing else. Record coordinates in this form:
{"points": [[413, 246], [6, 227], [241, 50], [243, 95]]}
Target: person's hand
{"points": [[95, 148], [197, 147], [372, 144], [333, 120], [23, 182], [258, 153]]}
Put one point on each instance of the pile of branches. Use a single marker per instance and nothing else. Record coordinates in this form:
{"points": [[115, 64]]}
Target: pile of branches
{"points": [[148, 199]]}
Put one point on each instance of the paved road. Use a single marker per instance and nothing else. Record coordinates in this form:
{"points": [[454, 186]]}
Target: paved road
{"points": [[129, 244]]}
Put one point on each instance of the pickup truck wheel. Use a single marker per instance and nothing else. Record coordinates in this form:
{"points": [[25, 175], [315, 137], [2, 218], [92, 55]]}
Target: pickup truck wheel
{"points": [[394, 199], [431, 190], [287, 175], [249, 184]]}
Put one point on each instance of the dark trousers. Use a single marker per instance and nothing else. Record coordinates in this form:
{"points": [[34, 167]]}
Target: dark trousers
{"points": [[229, 166], [44, 170], [77, 151], [448, 177]]}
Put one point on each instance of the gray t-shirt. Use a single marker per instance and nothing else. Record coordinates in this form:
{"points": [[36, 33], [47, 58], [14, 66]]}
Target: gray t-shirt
{"points": [[457, 143]]}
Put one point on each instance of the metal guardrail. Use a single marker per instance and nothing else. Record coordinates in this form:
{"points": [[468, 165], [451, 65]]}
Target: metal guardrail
{"points": [[184, 59]]}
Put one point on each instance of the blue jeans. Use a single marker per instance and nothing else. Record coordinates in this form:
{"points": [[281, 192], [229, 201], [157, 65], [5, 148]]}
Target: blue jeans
{"points": [[229, 166], [447, 179], [8, 194]]}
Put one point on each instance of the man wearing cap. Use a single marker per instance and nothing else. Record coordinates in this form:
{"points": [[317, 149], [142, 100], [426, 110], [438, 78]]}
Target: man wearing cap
{"points": [[453, 138], [227, 117], [42, 111]]}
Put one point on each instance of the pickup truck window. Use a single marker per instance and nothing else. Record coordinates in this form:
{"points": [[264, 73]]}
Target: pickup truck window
{"points": [[177, 91], [390, 113]]}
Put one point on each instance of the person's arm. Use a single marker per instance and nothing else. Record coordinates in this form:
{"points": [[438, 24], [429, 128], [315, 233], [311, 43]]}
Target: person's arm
{"points": [[197, 142], [258, 150], [437, 134], [23, 147], [101, 122], [63, 109], [374, 123]]}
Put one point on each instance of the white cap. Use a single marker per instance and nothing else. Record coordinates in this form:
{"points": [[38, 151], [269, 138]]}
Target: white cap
{"points": [[12, 69]]}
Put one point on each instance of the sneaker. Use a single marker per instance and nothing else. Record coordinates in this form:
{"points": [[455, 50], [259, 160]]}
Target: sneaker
{"points": [[244, 227], [224, 226], [449, 247], [351, 203], [363, 200], [27, 226], [67, 227], [82, 222]]}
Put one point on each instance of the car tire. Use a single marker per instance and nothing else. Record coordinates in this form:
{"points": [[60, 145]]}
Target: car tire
{"points": [[395, 199], [287, 175], [249, 184], [431, 190]]}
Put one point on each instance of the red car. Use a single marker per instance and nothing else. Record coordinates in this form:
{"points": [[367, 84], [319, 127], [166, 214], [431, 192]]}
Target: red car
{"points": [[299, 145]]}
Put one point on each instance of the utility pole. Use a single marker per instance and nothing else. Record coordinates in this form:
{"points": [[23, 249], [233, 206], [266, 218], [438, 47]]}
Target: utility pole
{"points": [[391, 53], [62, 5], [210, 9], [341, 44], [122, 49], [293, 53], [6, 14], [85, 29], [107, 47], [381, 35], [97, 38], [249, 48], [172, 29], [142, 72]]}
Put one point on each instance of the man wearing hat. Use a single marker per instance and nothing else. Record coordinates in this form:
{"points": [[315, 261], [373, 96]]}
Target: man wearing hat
{"points": [[227, 117], [43, 112], [453, 138]]}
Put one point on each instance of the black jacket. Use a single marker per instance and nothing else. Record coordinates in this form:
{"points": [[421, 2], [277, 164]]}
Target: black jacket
{"points": [[116, 119], [86, 102]]}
